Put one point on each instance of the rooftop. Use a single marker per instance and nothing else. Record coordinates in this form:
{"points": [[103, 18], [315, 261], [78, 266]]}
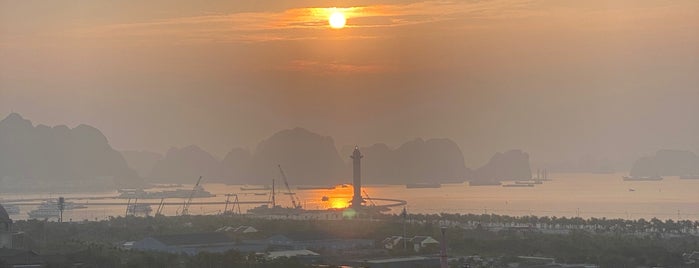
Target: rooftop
{"points": [[193, 239]]}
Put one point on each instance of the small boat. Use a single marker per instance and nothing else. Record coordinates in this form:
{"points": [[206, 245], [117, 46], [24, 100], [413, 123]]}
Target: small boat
{"points": [[423, 185], [484, 183], [325, 198], [255, 188], [632, 190], [530, 182], [645, 178], [518, 185]]}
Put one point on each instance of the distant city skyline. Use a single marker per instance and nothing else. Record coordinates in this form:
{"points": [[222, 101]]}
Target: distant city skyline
{"points": [[560, 80]]}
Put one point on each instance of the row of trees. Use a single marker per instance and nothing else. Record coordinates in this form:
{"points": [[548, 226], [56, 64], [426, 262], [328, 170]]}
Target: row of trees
{"points": [[621, 225]]}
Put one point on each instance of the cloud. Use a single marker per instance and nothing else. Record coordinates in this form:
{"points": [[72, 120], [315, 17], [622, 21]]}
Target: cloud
{"points": [[376, 20], [301, 23], [330, 68]]}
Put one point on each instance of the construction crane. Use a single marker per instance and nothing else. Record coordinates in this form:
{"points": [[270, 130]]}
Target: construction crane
{"points": [[296, 203], [159, 211], [369, 198], [185, 207], [236, 202], [126, 214]]}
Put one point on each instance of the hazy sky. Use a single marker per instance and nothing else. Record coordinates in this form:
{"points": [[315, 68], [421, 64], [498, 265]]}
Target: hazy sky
{"points": [[559, 79]]}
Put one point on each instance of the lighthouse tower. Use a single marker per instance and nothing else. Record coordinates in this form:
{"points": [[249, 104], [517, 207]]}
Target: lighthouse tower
{"points": [[357, 177]]}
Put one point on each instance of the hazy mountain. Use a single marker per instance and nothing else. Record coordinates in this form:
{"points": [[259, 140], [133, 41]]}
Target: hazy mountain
{"points": [[511, 165], [667, 163], [141, 161], [310, 158], [186, 165], [58, 158], [432, 160], [307, 158], [237, 166], [378, 165]]}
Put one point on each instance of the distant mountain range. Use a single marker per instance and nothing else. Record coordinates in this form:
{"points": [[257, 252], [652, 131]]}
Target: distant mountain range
{"points": [[432, 160], [58, 158], [667, 163], [312, 159], [511, 165]]}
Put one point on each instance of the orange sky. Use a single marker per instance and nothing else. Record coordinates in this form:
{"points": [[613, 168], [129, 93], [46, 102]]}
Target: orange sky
{"points": [[561, 79]]}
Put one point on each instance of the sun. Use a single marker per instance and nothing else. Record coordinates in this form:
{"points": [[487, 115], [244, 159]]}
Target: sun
{"points": [[338, 203], [337, 20]]}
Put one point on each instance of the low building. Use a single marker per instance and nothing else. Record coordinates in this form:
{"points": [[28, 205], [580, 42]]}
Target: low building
{"points": [[290, 253], [315, 242], [402, 262], [8, 238], [421, 243], [194, 243], [417, 243], [20, 258], [221, 242], [238, 230]]}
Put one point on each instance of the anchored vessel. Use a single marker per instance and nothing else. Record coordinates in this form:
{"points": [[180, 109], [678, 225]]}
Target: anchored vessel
{"points": [[654, 178], [423, 185]]}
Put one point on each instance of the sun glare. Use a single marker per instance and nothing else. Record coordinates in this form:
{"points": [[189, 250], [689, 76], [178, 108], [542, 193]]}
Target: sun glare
{"points": [[337, 20], [339, 203]]}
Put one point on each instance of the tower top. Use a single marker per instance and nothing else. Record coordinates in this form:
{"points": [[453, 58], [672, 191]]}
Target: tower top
{"points": [[356, 154]]}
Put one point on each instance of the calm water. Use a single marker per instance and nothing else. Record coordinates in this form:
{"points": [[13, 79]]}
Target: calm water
{"points": [[586, 195]]}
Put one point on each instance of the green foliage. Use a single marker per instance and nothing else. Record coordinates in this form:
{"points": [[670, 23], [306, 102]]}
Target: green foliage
{"points": [[615, 242]]}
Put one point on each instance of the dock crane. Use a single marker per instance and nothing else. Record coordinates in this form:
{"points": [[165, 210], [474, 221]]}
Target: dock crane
{"points": [[159, 211], [185, 207], [296, 203], [236, 202], [369, 198]]}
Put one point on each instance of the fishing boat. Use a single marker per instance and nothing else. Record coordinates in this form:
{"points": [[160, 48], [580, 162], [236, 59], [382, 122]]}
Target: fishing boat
{"points": [[423, 185]]}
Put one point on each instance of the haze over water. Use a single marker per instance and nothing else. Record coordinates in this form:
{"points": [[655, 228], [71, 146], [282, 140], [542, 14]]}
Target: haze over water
{"points": [[569, 195]]}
